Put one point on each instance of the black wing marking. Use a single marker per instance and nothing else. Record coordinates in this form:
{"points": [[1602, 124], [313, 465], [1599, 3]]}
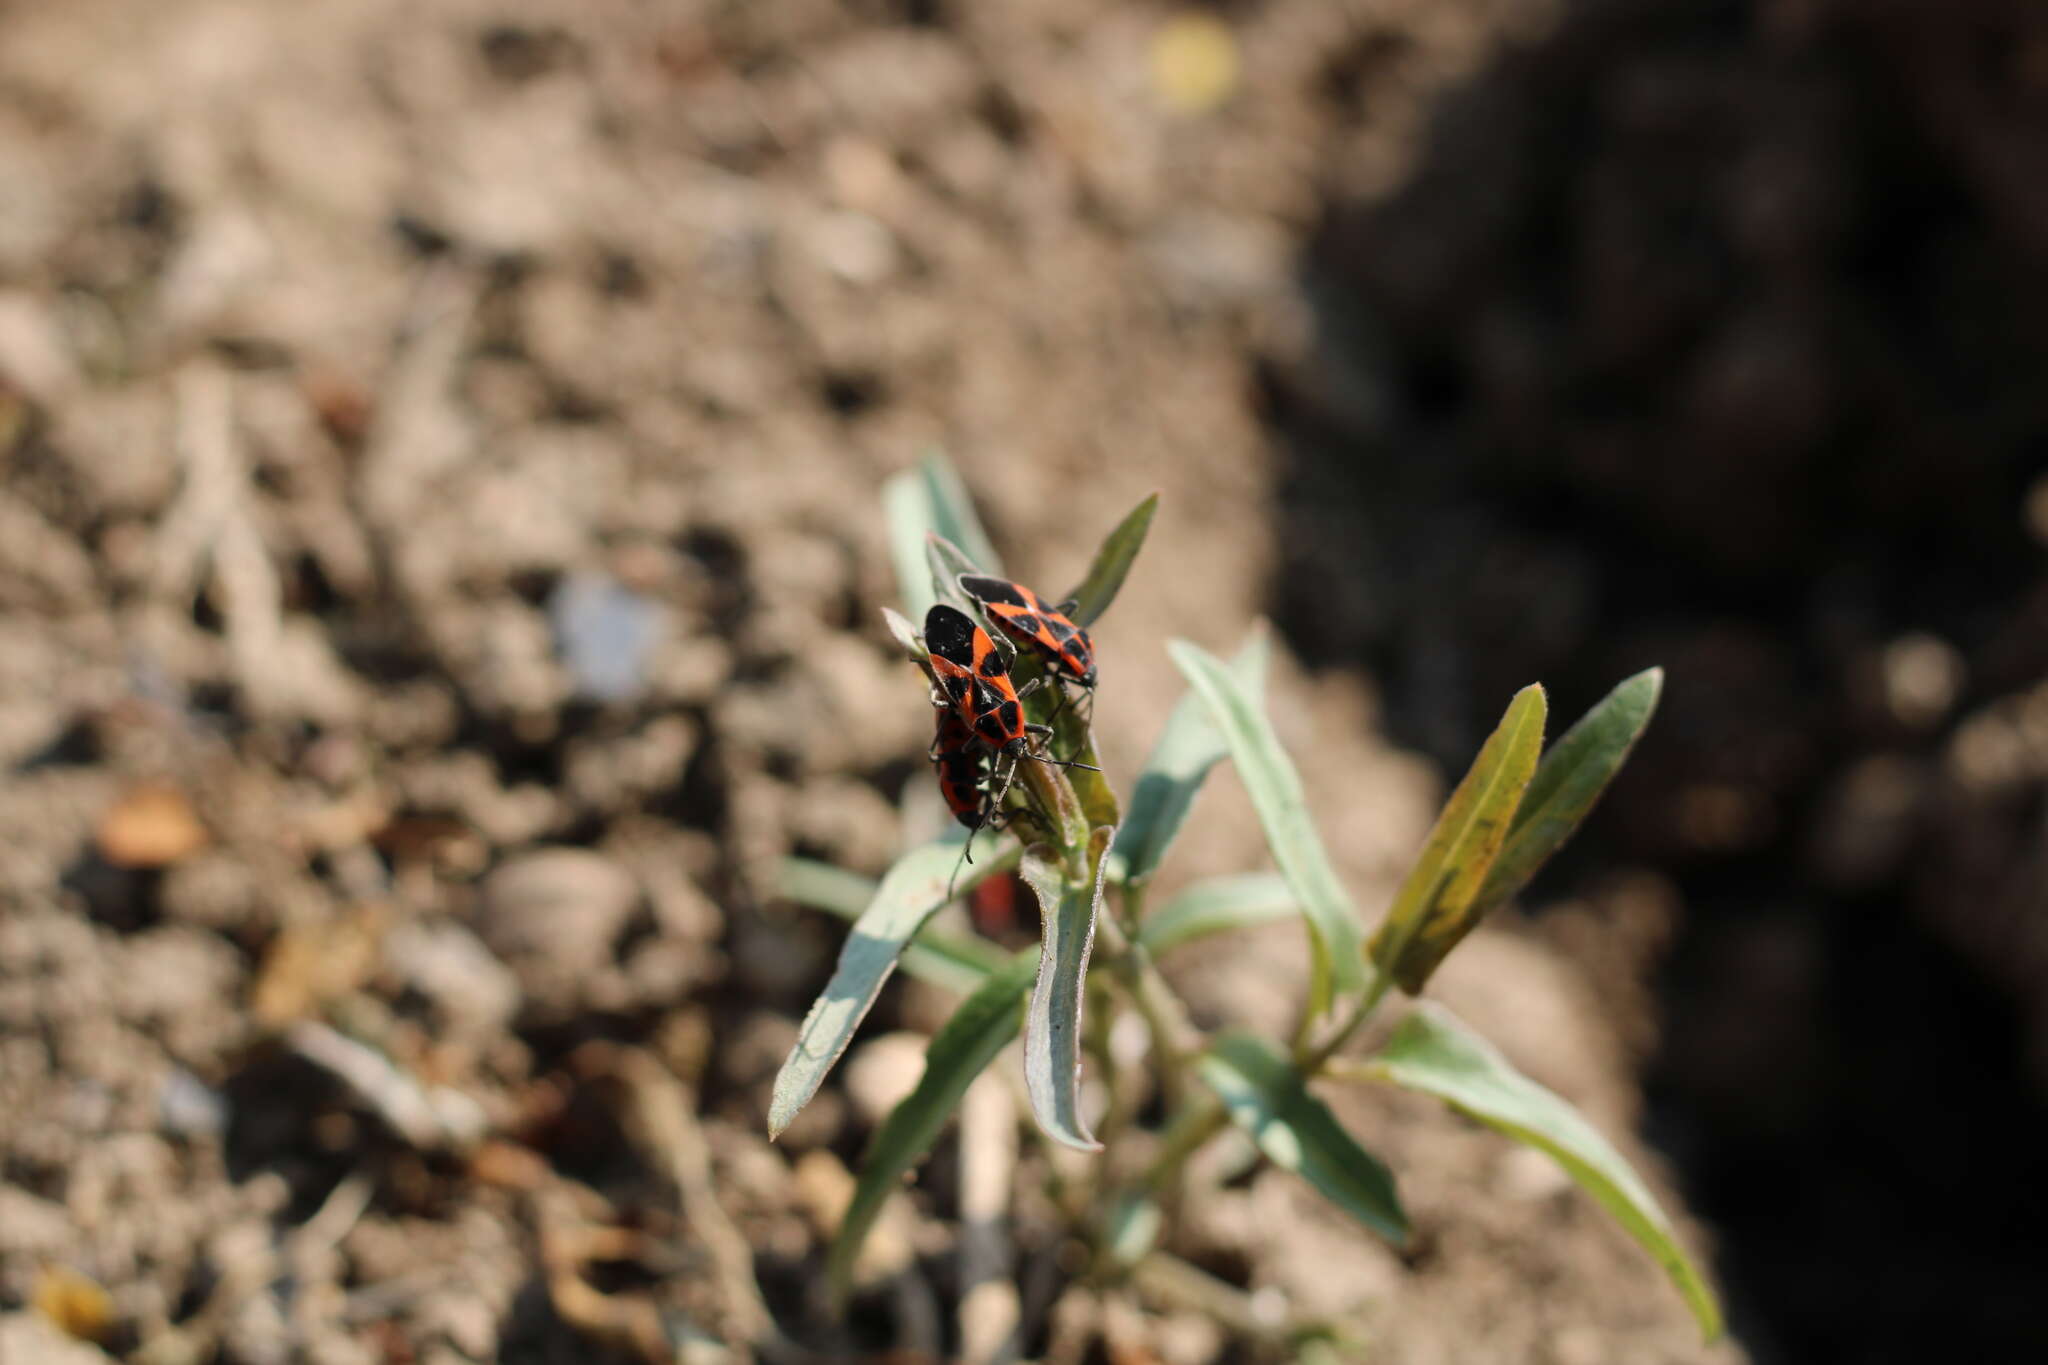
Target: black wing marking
{"points": [[949, 634], [985, 589]]}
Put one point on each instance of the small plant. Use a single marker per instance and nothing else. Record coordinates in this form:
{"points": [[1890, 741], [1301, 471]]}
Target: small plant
{"points": [[1080, 849]]}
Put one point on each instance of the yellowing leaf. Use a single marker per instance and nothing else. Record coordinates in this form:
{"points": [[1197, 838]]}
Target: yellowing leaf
{"points": [[1439, 903]]}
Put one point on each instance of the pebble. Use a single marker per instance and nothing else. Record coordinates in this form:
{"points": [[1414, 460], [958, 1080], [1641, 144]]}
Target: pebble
{"points": [[33, 1340], [471, 991], [607, 635], [565, 905], [188, 1107], [881, 1072]]}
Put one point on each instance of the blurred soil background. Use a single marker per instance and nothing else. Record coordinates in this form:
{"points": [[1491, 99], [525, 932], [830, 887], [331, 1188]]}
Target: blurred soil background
{"points": [[439, 553]]}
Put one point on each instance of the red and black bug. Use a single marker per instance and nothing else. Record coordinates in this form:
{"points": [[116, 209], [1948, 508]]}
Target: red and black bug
{"points": [[987, 714], [1023, 616], [974, 678], [964, 769], [963, 772]]}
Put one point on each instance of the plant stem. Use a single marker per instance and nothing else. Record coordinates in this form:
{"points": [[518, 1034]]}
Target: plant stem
{"points": [[1056, 798], [1199, 1120], [1175, 1281], [1310, 1061], [1174, 1038], [1205, 1117]]}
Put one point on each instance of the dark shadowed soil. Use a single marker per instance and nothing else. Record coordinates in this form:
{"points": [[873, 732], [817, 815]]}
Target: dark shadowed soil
{"points": [[1712, 335]]}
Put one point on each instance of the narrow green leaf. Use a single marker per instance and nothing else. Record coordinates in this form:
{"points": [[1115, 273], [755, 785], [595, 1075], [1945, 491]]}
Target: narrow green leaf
{"points": [[1439, 902], [953, 514], [1297, 1132], [1106, 575], [914, 888], [957, 964], [825, 887], [908, 507], [1188, 747], [925, 501], [905, 634], [949, 960], [979, 1030], [1275, 788], [1568, 781], [947, 562], [1217, 905], [1431, 1051], [1131, 1231], [1052, 1023]]}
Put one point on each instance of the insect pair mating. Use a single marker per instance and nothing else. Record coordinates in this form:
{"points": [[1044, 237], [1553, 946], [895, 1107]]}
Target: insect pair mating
{"points": [[981, 711]]}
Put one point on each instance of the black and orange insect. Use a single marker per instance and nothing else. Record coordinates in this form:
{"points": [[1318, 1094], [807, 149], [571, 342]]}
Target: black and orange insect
{"points": [[987, 714], [1022, 615], [962, 766], [974, 678]]}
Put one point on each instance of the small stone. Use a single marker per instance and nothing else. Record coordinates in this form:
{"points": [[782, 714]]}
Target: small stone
{"points": [[1527, 1175], [607, 635], [564, 905], [188, 1107], [35, 1227], [824, 1187], [33, 1340], [883, 1071], [175, 972], [150, 825], [472, 993]]}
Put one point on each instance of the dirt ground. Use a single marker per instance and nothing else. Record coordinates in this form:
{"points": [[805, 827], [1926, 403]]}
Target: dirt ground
{"points": [[439, 553]]}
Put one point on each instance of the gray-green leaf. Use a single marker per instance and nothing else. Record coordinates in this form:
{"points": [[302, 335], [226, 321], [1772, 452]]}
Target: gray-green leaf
{"points": [[1296, 1131], [953, 514], [1188, 748], [947, 562], [1431, 1051], [905, 634], [1052, 1024], [1439, 902], [1112, 562], [1218, 905], [1275, 788], [913, 889], [1568, 781], [980, 1029], [949, 960], [908, 508], [926, 500]]}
